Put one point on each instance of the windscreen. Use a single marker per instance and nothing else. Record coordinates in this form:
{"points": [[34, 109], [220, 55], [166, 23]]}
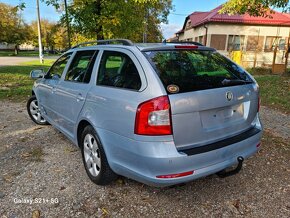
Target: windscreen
{"points": [[192, 70]]}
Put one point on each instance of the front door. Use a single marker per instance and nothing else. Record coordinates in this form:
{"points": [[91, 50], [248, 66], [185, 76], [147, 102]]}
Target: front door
{"points": [[46, 90], [71, 91]]}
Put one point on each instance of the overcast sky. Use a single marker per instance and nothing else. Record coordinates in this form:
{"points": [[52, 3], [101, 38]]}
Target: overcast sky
{"points": [[176, 17]]}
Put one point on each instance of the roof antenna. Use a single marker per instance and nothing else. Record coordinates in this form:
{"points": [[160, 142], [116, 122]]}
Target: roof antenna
{"points": [[164, 41]]}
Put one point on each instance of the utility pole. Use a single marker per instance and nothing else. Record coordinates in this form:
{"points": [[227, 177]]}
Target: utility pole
{"points": [[39, 33], [67, 23], [145, 25]]}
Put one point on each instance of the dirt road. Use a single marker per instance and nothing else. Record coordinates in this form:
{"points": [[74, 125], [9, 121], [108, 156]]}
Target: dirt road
{"points": [[42, 174]]}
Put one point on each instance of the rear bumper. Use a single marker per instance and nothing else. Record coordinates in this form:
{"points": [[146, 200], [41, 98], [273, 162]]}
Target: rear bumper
{"points": [[144, 161], [223, 143]]}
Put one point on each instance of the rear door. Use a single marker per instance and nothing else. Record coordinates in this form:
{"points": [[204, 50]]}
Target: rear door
{"points": [[211, 97], [115, 97], [72, 90]]}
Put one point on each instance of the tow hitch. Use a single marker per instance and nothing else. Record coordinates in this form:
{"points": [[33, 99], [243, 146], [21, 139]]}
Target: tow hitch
{"points": [[224, 173]]}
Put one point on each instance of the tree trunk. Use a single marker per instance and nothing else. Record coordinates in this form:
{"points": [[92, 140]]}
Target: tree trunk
{"points": [[274, 58], [287, 55], [99, 29], [100, 34], [16, 49], [286, 60]]}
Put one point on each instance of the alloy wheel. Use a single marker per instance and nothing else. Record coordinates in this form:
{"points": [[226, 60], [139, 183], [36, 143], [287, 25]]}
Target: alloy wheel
{"points": [[92, 155]]}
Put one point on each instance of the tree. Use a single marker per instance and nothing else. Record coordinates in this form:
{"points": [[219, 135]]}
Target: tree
{"points": [[60, 38], [254, 7], [12, 28], [101, 19], [48, 32], [137, 19]]}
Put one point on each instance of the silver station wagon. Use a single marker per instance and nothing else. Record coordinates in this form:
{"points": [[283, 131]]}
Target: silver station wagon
{"points": [[161, 114]]}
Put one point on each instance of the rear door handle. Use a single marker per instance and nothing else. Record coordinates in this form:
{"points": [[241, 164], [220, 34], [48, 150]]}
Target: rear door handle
{"points": [[80, 97], [53, 90]]}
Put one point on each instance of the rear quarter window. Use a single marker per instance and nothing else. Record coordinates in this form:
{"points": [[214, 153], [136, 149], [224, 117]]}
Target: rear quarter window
{"points": [[119, 71]]}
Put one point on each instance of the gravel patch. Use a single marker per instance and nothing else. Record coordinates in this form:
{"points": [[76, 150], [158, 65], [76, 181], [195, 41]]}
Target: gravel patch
{"points": [[42, 175], [276, 122]]}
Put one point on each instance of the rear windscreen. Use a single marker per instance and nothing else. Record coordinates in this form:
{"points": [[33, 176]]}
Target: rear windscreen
{"points": [[191, 70]]}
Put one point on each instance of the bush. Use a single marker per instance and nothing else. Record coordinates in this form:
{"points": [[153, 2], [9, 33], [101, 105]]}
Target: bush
{"points": [[259, 71]]}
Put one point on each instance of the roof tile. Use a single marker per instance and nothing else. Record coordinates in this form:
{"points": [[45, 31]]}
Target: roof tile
{"points": [[200, 18]]}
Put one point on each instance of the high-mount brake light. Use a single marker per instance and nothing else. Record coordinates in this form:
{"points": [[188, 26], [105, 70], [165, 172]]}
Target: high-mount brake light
{"points": [[186, 46]]}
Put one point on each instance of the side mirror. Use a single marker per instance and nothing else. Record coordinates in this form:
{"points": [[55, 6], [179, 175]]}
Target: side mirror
{"points": [[36, 74]]}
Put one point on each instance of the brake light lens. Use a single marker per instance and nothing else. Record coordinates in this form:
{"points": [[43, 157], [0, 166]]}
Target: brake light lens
{"points": [[153, 117], [186, 46]]}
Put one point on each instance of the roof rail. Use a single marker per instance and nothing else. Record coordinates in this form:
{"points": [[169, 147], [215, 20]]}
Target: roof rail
{"points": [[106, 42], [192, 43]]}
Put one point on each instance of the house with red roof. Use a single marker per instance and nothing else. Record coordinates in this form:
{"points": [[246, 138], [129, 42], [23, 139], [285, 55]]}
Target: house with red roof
{"points": [[252, 36]]}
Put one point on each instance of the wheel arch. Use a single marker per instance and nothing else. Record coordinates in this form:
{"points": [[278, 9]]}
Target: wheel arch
{"points": [[82, 124]]}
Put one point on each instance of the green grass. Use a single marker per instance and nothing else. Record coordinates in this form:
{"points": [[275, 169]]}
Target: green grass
{"points": [[15, 81], [47, 62], [259, 71], [262, 71], [23, 54], [275, 91]]}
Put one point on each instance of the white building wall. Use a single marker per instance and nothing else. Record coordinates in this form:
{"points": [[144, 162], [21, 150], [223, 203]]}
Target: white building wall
{"points": [[6, 46], [27, 47], [234, 29]]}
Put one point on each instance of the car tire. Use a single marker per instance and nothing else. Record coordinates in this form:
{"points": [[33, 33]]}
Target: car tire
{"points": [[34, 112], [94, 158]]}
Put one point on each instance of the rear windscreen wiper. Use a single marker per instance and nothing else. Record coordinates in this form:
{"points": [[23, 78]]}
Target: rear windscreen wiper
{"points": [[226, 82]]}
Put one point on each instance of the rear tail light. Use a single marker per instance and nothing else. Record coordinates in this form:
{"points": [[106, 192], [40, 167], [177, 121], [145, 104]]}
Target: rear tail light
{"points": [[258, 145], [153, 117]]}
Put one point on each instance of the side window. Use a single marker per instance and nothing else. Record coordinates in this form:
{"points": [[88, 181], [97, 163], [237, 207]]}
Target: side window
{"points": [[58, 67], [118, 70], [81, 67]]}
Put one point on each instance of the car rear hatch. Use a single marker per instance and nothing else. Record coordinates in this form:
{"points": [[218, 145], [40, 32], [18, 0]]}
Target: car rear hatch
{"points": [[211, 97]]}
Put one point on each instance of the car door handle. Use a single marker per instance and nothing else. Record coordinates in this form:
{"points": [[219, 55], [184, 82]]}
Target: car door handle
{"points": [[80, 97], [53, 90]]}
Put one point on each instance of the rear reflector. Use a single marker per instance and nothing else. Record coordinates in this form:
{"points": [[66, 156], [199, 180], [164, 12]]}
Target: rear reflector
{"points": [[186, 46], [258, 145], [177, 175]]}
